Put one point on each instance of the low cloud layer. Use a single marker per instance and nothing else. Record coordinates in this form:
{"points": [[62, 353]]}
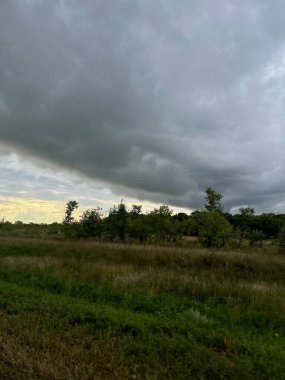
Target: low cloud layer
{"points": [[159, 99]]}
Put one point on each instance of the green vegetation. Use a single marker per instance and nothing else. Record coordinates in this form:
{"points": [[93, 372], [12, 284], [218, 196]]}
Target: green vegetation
{"points": [[70, 207], [91, 310], [202, 298], [213, 200], [214, 227], [281, 240]]}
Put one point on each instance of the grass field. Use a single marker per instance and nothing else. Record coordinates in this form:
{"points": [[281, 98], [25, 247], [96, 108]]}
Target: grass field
{"points": [[87, 310]]}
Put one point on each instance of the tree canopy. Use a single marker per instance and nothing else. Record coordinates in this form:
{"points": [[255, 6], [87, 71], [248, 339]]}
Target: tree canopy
{"points": [[213, 226]]}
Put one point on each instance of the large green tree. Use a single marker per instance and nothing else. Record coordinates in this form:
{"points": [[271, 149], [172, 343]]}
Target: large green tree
{"points": [[162, 224], [91, 222], [214, 230], [213, 200], [117, 222]]}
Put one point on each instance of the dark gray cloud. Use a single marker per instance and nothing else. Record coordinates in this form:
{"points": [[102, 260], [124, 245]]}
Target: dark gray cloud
{"points": [[158, 98]]}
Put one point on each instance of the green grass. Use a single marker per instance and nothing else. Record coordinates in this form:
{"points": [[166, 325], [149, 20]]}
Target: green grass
{"points": [[89, 311]]}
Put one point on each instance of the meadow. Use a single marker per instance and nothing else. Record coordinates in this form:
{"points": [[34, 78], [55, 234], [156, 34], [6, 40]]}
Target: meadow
{"points": [[91, 310]]}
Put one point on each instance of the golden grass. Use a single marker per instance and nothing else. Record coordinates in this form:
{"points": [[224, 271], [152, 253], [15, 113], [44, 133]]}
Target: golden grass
{"points": [[187, 271]]}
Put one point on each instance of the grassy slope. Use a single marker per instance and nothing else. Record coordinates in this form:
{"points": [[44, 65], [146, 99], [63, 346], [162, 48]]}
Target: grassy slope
{"points": [[89, 311]]}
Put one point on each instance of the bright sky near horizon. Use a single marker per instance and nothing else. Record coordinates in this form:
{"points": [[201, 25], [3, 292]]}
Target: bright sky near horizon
{"points": [[149, 101]]}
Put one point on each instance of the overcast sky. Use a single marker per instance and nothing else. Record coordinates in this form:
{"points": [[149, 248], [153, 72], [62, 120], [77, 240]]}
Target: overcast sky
{"points": [[150, 100]]}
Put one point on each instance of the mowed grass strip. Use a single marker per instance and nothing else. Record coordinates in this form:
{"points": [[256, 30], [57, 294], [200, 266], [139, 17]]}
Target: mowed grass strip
{"points": [[182, 333]]}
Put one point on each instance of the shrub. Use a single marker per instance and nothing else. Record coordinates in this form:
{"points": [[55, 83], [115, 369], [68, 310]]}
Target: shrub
{"points": [[91, 222], [256, 238], [214, 230], [281, 240]]}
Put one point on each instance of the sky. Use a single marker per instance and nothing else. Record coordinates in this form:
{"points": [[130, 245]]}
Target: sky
{"points": [[151, 101]]}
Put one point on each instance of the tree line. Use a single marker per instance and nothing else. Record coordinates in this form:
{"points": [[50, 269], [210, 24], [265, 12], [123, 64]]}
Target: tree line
{"points": [[213, 226]]}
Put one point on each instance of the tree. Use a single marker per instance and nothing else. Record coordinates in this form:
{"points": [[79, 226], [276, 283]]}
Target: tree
{"points": [[139, 227], [182, 220], [136, 210], [213, 200], [117, 221], [91, 222], [162, 224], [256, 238], [71, 229], [214, 230], [247, 211], [281, 240], [245, 228], [269, 224], [70, 207]]}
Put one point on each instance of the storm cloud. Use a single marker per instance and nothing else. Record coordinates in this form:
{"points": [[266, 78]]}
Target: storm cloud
{"points": [[159, 99]]}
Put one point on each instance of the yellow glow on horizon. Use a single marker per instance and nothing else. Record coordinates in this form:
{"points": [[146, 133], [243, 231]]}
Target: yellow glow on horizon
{"points": [[31, 210], [35, 210]]}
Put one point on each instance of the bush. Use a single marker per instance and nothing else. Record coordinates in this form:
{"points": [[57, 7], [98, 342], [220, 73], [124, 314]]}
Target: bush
{"points": [[214, 230], [91, 223], [281, 240], [256, 238]]}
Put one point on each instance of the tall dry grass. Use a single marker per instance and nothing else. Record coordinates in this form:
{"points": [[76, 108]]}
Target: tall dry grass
{"points": [[194, 272]]}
